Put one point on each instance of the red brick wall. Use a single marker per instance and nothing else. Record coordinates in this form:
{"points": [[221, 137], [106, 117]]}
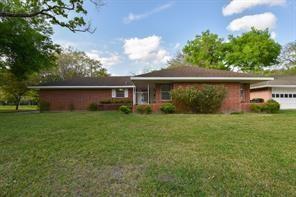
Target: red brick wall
{"points": [[232, 102], [60, 100]]}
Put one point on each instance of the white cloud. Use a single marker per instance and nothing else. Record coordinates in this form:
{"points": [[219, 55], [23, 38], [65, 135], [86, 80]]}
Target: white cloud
{"points": [[273, 35], [134, 17], [146, 50], [108, 59], [259, 21], [238, 6]]}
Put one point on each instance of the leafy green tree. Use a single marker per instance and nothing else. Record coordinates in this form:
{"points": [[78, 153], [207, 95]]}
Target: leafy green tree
{"points": [[252, 51], [13, 89], [206, 50], [69, 14], [25, 48], [72, 63], [288, 55]]}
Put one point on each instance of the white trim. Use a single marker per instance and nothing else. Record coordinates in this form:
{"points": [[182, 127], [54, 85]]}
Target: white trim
{"points": [[206, 78], [273, 86], [78, 87]]}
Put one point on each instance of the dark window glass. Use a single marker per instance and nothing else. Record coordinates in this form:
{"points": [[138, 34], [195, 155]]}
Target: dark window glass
{"points": [[277, 95], [286, 96], [282, 96], [120, 93], [290, 95], [294, 95], [273, 95], [165, 91]]}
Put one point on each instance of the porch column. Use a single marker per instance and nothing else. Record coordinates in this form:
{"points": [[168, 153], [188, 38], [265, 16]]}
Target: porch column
{"points": [[134, 95], [148, 88]]}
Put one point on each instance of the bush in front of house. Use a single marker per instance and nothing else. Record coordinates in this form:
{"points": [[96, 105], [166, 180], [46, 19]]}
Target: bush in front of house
{"points": [[271, 106], [168, 108], [144, 109], [44, 106], [116, 101], [207, 99], [92, 107], [125, 109]]}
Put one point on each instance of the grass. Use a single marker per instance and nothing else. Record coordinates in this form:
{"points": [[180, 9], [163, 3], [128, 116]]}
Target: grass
{"points": [[22, 108], [108, 153]]}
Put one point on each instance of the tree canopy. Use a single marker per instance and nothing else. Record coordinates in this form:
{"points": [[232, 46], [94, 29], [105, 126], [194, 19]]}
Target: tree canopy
{"points": [[69, 14], [25, 48], [252, 51], [206, 50], [73, 63], [288, 55]]}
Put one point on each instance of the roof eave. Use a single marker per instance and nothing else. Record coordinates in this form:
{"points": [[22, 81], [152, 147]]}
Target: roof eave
{"points": [[272, 86], [79, 87]]}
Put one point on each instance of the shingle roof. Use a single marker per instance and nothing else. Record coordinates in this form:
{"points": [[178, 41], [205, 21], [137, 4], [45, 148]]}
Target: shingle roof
{"points": [[190, 71], [89, 81], [278, 81]]}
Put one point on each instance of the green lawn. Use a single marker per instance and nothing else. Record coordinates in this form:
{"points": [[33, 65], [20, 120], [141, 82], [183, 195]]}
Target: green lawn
{"points": [[11, 108], [108, 153]]}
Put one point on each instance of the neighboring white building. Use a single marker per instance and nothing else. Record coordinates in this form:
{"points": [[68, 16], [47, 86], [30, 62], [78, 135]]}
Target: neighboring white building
{"points": [[282, 89]]}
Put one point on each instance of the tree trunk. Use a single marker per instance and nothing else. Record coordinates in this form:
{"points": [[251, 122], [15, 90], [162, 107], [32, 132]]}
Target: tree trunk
{"points": [[17, 104]]}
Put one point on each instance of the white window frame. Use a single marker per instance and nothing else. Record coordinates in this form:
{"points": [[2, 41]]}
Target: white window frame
{"points": [[114, 95]]}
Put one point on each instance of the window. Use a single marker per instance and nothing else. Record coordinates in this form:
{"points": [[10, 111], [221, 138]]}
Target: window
{"points": [[165, 92], [277, 95], [286, 96], [119, 93], [290, 95], [281, 95], [243, 95], [273, 96], [294, 95]]}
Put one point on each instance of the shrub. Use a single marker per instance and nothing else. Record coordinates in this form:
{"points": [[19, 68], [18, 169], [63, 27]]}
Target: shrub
{"points": [[92, 107], [71, 107], [44, 106], [116, 100], [168, 108], [256, 108], [271, 106], [144, 109], [208, 99], [125, 109]]}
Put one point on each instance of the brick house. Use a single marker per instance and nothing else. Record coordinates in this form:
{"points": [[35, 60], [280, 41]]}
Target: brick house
{"points": [[151, 88]]}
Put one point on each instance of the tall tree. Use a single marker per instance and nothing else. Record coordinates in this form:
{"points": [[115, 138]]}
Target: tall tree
{"points": [[25, 48], [252, 51], [73, 63], [69, 14], [288, 55], [206, 50]]}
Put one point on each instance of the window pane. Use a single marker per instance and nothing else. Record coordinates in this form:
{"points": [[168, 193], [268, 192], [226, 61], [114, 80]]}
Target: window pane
{"points": [[165, 95], [294, 95], [120, 93], [277, 95], [273, 95], [282, 96], [286, 95], [290, 95]]}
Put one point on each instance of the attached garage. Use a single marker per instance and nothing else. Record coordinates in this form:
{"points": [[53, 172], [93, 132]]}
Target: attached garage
{"points": [[282, 89]]}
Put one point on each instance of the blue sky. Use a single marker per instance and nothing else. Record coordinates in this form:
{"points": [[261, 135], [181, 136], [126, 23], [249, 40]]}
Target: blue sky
{"points": [[134, 36]]}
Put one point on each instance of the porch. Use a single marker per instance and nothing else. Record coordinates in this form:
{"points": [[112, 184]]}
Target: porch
{"points": [[152, 93]]}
